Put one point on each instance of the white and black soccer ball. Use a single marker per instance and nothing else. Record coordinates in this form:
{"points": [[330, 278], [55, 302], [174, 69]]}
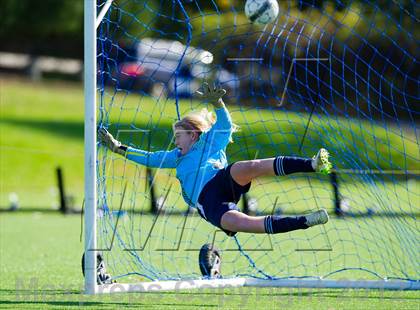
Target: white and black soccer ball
{"points": [[261, 11]]}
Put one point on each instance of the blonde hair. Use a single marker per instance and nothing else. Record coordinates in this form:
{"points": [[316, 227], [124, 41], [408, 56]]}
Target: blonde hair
{"points": [[199, 121]]}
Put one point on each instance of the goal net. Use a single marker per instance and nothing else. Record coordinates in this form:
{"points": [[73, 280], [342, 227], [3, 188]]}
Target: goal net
{"points": [[336, 74]]}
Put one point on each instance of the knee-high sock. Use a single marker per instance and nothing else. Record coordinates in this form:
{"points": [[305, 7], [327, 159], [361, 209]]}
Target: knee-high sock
{"points": [[288, 164], [274, 224]]}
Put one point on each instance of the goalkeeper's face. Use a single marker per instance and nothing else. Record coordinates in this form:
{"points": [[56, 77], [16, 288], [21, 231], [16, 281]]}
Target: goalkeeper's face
{"points": [[184, 139]]}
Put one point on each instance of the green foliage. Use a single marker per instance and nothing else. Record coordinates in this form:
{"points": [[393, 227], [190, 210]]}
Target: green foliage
{"points": [[39, 19], [154, 17]]}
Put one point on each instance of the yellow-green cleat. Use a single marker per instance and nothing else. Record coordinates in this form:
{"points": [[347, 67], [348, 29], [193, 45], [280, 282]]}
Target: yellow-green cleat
{"points": [[321, 163]]}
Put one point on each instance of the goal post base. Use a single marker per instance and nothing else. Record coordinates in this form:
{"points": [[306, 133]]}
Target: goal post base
{"points": [[252, 282]]}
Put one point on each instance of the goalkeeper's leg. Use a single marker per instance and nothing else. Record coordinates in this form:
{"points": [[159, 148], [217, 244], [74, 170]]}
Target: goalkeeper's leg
{"points": [[236, 221], [244, 172], [217, 204]]}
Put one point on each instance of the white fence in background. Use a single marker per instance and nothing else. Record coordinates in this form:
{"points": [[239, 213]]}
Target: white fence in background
{"points": [[36, 66]]}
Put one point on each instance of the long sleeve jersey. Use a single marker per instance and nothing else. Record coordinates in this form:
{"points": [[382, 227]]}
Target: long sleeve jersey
{"points": [[201, 163]]}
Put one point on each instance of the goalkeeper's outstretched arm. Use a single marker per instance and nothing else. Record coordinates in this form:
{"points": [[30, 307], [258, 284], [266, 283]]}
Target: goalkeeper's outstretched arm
{"points": [[160, 159]]}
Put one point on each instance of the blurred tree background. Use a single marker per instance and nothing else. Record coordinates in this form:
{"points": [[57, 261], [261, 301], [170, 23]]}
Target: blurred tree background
{"points": [[377, 39], [47, 27], [56, 26]]}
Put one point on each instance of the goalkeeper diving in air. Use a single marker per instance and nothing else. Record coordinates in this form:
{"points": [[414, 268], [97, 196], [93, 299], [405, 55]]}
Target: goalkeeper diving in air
{"points": [[212, 186]]}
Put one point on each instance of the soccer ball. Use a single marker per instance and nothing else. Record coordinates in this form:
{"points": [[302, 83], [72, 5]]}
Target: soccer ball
{"points": [[261, 11]]}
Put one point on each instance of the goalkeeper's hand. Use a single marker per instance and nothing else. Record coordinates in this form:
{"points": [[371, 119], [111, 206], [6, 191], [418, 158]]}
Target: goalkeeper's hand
{"points": [[212, 94], [107, 139]]}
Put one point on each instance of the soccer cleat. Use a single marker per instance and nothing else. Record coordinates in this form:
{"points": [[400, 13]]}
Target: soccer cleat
{"points": [[321, 163], [317, 218], [209, 261], [101, 276]]}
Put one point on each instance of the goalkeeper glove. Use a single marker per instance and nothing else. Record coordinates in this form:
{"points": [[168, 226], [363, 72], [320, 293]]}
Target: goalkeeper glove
{"points": [[114, 145], [212, 94]]}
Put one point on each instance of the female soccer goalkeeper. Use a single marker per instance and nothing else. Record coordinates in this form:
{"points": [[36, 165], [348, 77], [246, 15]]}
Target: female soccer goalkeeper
{"points": [[209, 183]]}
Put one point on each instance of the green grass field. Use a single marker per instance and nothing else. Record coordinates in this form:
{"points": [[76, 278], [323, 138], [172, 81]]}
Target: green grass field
{"points": [[42, 127], [45, 249]]}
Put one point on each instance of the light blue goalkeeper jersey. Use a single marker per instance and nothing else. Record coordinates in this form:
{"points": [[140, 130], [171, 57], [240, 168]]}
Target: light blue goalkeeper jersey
{"points": [[204, 159]]}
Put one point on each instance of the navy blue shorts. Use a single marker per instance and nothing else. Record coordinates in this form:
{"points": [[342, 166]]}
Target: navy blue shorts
{"points": [[220, 195]]}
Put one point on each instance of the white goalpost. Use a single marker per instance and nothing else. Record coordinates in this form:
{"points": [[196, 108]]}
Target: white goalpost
{"points": [[90, 144], [252, 269]]}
